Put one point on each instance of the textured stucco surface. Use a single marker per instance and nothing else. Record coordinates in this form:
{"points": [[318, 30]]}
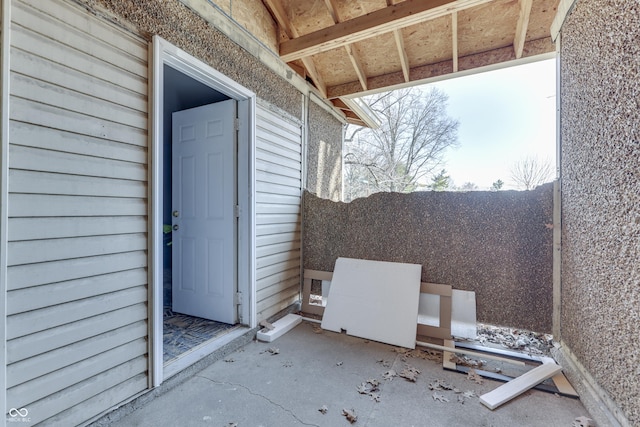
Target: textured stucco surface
{"points": [[600, 95], [497, 244], [180, 26], [324, 154]]}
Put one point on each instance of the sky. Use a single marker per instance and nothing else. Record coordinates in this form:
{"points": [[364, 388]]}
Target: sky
{"points": [[505, 115]]}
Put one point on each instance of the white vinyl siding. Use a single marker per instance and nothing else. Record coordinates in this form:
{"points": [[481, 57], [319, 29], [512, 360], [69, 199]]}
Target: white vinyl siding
{"points": [[278, 216], [77, 252]]}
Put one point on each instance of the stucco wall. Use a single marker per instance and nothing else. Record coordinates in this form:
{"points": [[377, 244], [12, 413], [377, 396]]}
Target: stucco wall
{"points": [[180, 26], [600, 95], [324, 154], [497, 244]]}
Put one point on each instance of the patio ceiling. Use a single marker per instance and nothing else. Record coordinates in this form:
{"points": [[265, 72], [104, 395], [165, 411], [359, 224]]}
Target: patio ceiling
{"points": [[348, 48]]}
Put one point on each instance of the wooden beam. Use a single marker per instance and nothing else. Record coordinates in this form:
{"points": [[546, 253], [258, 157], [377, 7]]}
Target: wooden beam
{"points": [[426, 73], [357, 65], [402, 52], [351, 52], [519, 385], [406, 13], [454, 40], [280, 15], [315, 76], [522, 26]]}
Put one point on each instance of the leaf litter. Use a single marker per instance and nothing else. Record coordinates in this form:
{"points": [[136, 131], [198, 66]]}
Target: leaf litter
{"points": [[350, 415]]}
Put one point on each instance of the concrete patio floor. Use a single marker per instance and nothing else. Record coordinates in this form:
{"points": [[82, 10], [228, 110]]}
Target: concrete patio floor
{"points": [[286, 382]]}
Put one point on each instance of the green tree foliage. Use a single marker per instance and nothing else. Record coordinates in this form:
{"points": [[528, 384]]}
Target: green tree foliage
{"points": [[497, 186], [441, 181], [409, 145]]}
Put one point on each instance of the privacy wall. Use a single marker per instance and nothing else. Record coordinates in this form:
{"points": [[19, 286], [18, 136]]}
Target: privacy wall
{"points": [[600, 95], [497, 244]]}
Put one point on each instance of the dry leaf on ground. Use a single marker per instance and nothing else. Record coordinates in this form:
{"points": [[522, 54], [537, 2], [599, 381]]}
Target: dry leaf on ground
{"points": [[440, 385], [350, 414], [389, 374], [439, 397], [317, 330], [583, 422], [473, 376], [323, 409]]}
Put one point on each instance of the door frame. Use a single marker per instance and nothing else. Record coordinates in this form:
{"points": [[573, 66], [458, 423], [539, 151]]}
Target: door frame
{"points": [[162, 52]]}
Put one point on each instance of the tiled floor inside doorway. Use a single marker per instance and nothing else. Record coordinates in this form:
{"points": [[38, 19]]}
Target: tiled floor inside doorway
{"points": [[182, 333]]}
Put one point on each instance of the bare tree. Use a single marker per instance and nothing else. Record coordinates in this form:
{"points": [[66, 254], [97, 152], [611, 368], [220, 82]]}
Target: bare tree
{"points": [[409, 145], [530, 172]]}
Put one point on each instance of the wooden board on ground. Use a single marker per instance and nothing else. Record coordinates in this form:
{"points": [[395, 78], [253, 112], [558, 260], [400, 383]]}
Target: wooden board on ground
{"points": [[463, 314], [519, 385], [434, 311], [376, 300], [280, 327]]}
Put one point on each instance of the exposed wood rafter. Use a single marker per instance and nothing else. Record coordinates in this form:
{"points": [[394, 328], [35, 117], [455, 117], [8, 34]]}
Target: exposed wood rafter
{"points": [[381, 21], [351, 52], [424, 73], [521, 27], [402, 52], [454, 40], [280, 15]]}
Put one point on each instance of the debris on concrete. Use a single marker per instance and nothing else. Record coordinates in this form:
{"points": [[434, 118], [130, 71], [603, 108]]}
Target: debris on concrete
{"points": [[439, 397], [467, 361], [516, 339], [440, 385], [389, 374], [371, 388], [473, 376], [583, 422], [229, 360], [385, 363], [323, 409], [267, 325], [271, 350], [350, 415], [409, 373]]}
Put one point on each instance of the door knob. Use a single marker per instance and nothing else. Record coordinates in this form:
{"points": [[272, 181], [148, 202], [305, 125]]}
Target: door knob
{"points": [[176, 227], [176, 214]]}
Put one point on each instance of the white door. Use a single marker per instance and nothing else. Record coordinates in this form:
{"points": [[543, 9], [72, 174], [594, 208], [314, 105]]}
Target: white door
{"points": [[203, 212]]}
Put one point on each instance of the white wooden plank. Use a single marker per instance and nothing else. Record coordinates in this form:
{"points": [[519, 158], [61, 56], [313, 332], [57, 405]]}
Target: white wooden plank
{"points": [[45, 93], [62, 76], [45, 25], [264, 145], [100, 30], [76, 394], [280, 248], [271, 188], [23, 324], [281, 199], [29, 205], [24, 276], [62, 336], [58, 380], [277, 238], [26, 134], [34, 367], [37, 251], [279, 258], [278, 179], [519, 385], [51, 50], [276, 288], [463, 314], [361, 287], [36, 159], [269, 229], [280, 327], [29, 182], [281, 300], [58, 227], [26, 111], [104, 401], [263, 155], [279, 277], [38, 297], [270, 270], [273, 208]]}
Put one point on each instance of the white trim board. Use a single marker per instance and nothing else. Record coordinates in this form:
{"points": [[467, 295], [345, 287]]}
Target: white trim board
{"points": [[376, 300], [163, 53], [519, 385]]}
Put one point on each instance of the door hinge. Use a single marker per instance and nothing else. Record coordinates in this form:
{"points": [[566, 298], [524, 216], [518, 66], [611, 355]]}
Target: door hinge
{"points": [[236, 211], [238, 298], [236, 124]]}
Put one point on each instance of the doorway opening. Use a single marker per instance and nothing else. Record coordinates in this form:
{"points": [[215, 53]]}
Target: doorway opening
{"points": [[202, 211]]}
